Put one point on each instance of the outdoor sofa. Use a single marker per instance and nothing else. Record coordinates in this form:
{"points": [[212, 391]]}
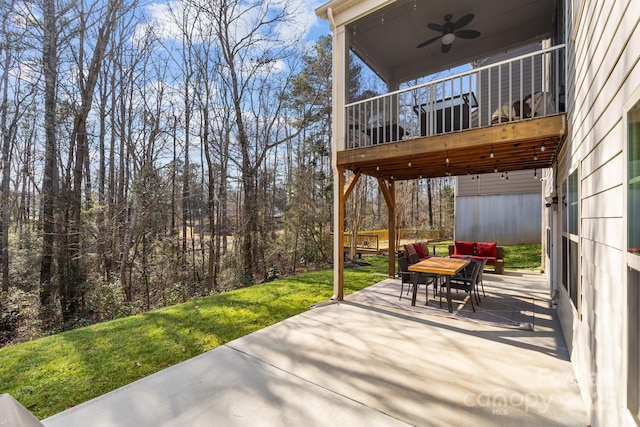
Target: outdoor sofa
{"points": [[490, 251]]}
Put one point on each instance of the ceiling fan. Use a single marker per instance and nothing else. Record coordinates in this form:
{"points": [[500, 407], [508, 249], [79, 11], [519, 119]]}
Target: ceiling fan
{"points": [[450, 30]]}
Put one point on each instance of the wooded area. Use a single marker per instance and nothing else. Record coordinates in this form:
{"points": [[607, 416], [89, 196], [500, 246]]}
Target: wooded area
{"points": [[155, 153]]}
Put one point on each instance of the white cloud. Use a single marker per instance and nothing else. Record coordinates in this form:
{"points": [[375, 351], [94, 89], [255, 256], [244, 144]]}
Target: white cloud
{"points": [[304, 24], [315, 26]]}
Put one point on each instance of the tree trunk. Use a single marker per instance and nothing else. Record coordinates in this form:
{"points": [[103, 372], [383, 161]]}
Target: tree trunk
{"points": [[6, 161], [50, 177], [73, 277]]}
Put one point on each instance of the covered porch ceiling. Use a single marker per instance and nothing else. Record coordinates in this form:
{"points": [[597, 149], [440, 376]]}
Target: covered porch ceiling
{"points": [[386, 38], [515, 146]]}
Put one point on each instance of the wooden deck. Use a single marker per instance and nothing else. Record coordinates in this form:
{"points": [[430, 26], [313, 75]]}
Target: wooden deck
{"points": [[515, 146]]}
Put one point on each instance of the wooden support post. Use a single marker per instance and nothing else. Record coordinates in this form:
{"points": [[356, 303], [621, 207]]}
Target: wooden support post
{"points": [[389, 192], [338, 242]]}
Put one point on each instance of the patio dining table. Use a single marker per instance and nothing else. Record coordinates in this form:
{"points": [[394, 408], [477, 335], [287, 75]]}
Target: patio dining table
{"points": [[443, 266]]}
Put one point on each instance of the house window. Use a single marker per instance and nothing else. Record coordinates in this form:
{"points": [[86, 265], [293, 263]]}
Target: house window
{"points": [[633, 260], [633, 189], [565, 238], [570, 253], [633, 356], [573, 203]]}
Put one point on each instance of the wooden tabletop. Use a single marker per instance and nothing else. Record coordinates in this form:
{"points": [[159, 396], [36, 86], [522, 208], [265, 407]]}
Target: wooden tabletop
{"points": [[440, 265]]}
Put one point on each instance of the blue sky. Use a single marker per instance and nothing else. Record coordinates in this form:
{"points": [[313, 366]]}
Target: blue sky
{"points": [[317, 27]]}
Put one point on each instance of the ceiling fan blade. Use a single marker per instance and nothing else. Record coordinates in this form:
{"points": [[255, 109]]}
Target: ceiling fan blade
{"points": [[423, 44], [467, 34], [463, 21], [435, 27], [446, 48]]}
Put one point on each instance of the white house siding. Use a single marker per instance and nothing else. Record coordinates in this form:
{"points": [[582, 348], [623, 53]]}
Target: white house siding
{"points": [[602, 73]]}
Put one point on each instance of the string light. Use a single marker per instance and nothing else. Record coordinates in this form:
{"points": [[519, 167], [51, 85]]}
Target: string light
{"points": [[409, 163], [535, 155], [535, 173], [447, 158], [491, 153], [542, 148]]}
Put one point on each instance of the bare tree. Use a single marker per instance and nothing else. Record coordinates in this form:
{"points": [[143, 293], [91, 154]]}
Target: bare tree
{"points": [[251, 52], [16, 99], [72, 274], [50, 178]]}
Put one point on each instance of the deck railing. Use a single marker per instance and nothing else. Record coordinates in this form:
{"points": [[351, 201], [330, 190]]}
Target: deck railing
{"points": [[527, 86]]}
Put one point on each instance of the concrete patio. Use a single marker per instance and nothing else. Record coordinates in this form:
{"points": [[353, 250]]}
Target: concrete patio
{"points": [[372, 360]]}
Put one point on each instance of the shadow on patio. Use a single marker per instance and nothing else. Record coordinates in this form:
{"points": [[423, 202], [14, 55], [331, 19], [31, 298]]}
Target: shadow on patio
{"points": [[513, 300], [365, 361]]}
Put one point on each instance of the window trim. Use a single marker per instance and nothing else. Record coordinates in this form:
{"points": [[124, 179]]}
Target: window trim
{"points": [[575, 300], [578, 20], [632, 261], [629, 261]]}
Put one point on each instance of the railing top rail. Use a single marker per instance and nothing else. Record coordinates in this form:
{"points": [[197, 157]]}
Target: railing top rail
{"points": [[459, 75]]}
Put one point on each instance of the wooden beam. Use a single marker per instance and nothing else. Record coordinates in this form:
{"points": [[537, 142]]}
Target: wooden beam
{"points": [[533, 129], [386, 192], [350, 185]]}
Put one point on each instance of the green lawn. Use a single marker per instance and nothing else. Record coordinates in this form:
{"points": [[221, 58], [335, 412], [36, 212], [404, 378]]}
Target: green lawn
{"points": [[59, 371]]}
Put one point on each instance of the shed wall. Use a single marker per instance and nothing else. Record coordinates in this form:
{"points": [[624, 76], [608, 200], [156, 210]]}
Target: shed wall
{"points": [[507, 219]]}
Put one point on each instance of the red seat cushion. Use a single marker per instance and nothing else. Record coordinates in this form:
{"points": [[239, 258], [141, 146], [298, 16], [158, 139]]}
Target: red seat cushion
{"points": [[486, 249], [463, 248], [418, 249]]}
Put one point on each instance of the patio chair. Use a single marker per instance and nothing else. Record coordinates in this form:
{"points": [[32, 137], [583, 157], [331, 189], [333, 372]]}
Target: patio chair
{"points": [[415, 258], [405, 274], [412, 278], [466, 280], [484, 263]]}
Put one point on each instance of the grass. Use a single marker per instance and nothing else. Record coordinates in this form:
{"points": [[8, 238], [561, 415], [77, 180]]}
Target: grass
{"points": [[53, 373], [522, 257], [56, 372]]}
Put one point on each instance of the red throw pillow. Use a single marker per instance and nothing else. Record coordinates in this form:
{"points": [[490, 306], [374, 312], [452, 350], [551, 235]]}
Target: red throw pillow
{"points": [[418, 249], [409, 249], [486, 249], [425, 248], [463, 248]]}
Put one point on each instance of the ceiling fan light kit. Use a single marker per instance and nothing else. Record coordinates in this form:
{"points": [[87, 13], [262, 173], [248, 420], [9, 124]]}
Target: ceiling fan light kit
{"points": [[448, 38]]}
